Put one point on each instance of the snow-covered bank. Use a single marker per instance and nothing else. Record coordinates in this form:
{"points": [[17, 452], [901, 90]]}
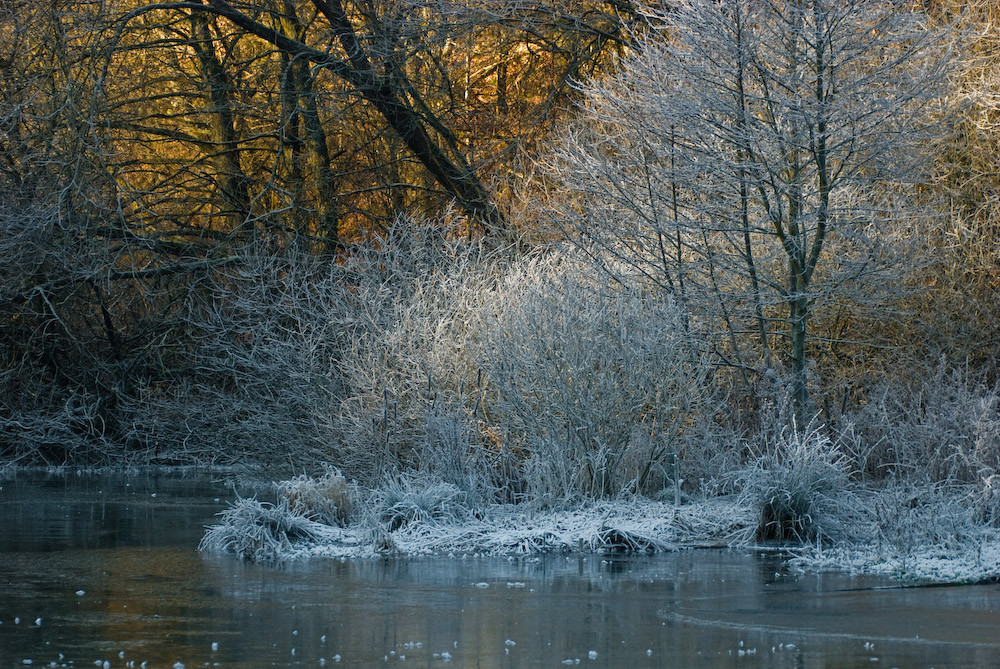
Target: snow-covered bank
{"points": [[262, 531], [635, 526], [976, 562], [920, 536]]}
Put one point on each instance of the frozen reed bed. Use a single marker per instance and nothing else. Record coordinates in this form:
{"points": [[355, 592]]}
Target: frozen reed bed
{"points": [[410, 517], [934, 534]]}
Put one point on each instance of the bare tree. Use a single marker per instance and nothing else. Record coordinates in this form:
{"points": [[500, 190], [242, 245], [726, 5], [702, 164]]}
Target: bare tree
{"points": [[752, 158]]}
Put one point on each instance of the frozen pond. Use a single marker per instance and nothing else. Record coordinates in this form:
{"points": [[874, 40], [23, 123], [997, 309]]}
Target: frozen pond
{"points": [[105, 568]]}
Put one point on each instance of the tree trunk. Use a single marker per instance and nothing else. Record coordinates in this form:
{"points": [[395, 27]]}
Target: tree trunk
{"points": [[798, 318], [302, 95], [232, 181]]}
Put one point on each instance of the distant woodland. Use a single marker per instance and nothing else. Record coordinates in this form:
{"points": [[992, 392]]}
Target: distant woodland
{"points": [[539, 249]]}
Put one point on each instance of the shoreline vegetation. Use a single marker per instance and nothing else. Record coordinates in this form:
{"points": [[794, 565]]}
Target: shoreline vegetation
{"points": [[593, 276], [934, 535]]}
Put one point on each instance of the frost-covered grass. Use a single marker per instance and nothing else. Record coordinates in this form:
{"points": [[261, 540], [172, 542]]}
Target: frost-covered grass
{"points": [[400, 501], [505, 529], [327, 499], [262, 531], [975, 562], [800, 486], [931, 533], [420, 516]]}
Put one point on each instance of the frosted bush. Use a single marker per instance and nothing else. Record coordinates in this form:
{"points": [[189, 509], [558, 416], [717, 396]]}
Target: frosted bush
{"points": [[986, 500], [946, 427], [912, 518], [260, 372], [412, 382], [597, 385]]}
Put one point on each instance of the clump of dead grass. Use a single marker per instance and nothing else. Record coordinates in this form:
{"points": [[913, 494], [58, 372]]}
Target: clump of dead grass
{"points": [[328, 499], [800, 488], [260, 531], [402, 500]]}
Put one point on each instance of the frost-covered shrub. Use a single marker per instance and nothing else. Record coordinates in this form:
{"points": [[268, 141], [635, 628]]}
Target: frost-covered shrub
{"points": [[800, 487], [327, 499], [259, 531], [987, 501], [457, 448], [258, 372], [352, 362], [413, 391], [401, 500], [910, 518], [946, 427], [598, 386]]}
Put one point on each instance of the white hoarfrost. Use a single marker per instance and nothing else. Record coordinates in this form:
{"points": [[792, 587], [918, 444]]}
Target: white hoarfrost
{"points": [[264, 532], [933, 534], [978, 563]]}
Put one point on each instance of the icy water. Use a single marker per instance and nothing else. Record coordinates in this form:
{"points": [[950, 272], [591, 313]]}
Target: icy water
{"points": [[97, 569]]}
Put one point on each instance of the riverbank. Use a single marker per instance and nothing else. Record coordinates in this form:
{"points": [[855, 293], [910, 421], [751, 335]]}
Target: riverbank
{"points": [[929, 535]]}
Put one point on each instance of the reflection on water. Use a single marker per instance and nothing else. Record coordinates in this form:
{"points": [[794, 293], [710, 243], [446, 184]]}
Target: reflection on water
{"points": [[113, 573]]}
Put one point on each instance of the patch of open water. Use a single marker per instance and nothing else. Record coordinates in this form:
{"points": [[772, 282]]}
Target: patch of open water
{"points": [[97, 569]]}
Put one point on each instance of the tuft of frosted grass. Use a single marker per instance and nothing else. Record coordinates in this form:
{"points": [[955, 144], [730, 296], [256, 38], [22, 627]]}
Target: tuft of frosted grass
{"points": [[401, 500], [327, 499], [261, 531], [800, 489]]}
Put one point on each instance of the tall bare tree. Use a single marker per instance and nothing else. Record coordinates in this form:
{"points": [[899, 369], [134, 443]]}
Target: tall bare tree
{"points": [[754, 155]]}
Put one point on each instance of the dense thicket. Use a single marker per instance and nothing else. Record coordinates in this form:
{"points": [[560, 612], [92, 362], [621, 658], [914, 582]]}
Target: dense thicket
{"points": [[538, 250], [149, 147]]}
